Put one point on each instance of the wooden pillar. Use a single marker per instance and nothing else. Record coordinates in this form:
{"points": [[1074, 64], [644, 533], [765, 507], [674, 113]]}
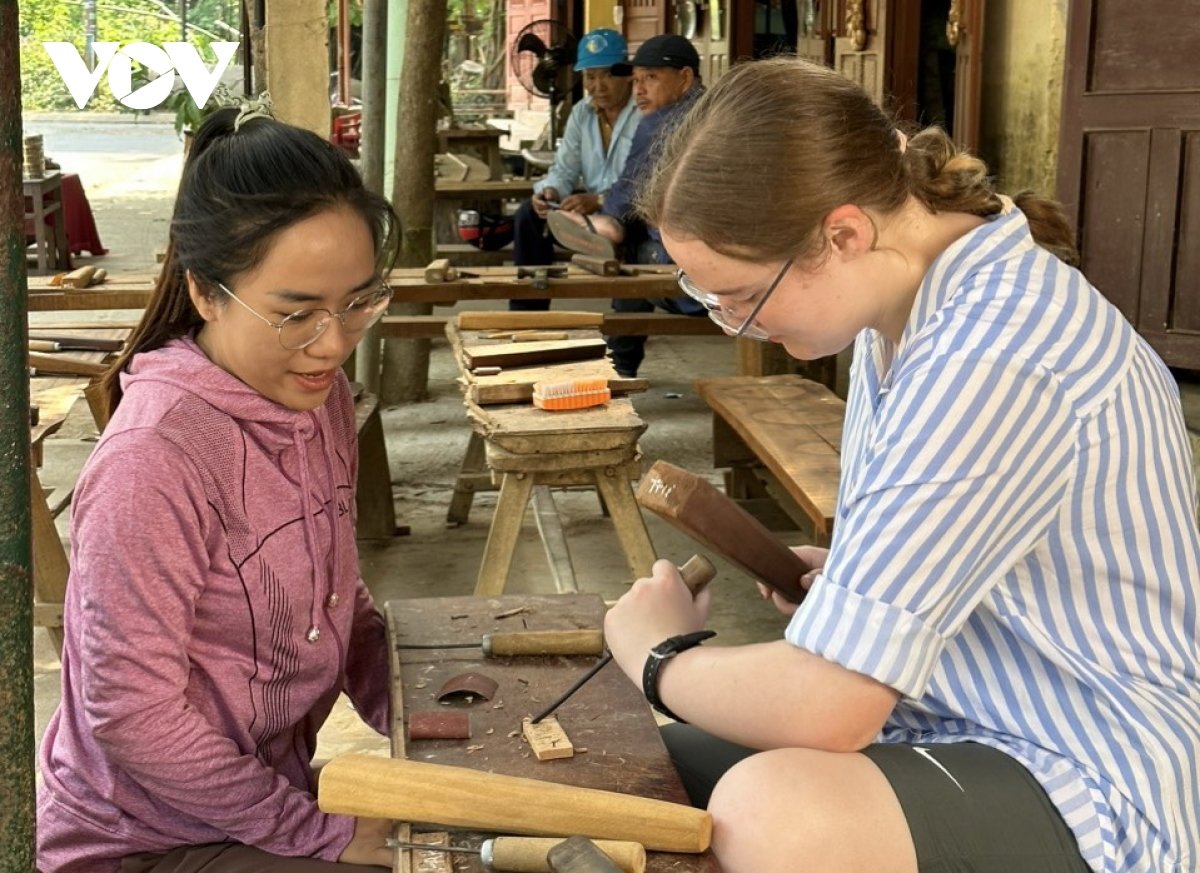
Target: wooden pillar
{"points": [[298, 63]]}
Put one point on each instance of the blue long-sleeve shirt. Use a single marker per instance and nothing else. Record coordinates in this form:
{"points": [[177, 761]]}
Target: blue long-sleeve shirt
{"points": [[581, 160], [644, 153]]}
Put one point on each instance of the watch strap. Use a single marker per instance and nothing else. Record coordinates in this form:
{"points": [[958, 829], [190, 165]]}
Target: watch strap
{"points": [[658, 656]]}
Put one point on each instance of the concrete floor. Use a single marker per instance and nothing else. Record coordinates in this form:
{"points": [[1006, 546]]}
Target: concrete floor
{"points": [[129, 172]]}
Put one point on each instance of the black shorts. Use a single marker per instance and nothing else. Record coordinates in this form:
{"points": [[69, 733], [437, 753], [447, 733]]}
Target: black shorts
{"points": [[970, 808]]}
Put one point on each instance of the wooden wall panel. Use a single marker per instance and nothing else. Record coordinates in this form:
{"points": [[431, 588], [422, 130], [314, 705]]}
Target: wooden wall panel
{"points": [[1113, 211]]}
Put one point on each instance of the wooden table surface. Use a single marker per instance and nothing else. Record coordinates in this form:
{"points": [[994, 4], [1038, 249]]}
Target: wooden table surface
{"points": [[608, 716]]}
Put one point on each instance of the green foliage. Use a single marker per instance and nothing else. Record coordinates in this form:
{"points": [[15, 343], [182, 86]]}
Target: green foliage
{"points": [[120, 21]]}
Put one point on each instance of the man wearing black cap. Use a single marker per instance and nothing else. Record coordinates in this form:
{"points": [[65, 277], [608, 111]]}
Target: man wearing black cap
{"points": [[666, 82]]}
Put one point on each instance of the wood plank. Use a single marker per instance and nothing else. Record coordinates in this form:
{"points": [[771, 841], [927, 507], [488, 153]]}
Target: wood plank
{"points": [[504, 319], [516, 386], [526, 354]]}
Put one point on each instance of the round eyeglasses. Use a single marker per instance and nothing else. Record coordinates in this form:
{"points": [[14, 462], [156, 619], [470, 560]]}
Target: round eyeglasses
{"points": [[723, 315], [303, 328]]}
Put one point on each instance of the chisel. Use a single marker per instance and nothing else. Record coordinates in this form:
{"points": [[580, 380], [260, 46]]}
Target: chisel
{"points": [[585, 641], [697, 571], [529, 854]]}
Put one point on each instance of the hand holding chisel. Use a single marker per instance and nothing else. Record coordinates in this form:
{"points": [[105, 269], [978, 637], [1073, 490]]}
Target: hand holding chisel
{"points": [[697, 571]]}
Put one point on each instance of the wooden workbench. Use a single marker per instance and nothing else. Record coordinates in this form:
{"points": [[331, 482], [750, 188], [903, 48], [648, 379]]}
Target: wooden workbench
{"points": [[132, 290], [608, 716], [529, 449]]}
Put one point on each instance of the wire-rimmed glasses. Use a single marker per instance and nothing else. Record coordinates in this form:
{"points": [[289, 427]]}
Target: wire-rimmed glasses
{"points": [[303, 328], [723, 315]]}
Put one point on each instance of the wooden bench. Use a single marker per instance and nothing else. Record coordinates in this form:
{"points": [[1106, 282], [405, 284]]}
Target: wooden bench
{"points": [[781, 438]]}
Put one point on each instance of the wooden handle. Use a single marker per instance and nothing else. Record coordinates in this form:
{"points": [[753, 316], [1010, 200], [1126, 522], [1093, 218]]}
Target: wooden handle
{"points": [[65, 365], [455, 797], [37, 345], [697, 571], [580, 855], [557, 642], [716, 521], [597, 266], [528, 854]]}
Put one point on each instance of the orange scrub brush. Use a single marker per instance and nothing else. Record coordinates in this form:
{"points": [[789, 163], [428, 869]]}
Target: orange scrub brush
{"points": [[576, 394]]}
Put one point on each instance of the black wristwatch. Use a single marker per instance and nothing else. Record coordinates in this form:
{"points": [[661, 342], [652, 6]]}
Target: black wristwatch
{"points": [[658, 656]]}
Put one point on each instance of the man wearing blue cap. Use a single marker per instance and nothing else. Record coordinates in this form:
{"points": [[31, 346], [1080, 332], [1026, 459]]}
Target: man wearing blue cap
{"points": [[590, 156]]}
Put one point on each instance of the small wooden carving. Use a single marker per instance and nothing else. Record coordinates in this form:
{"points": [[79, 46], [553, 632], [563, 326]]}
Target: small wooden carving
{"points": [[547, 739]]}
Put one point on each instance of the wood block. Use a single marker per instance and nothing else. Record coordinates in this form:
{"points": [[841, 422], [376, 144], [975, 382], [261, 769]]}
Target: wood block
{"points": [[533, 353], [598, 266], [715, 520], [80, 278], [516, 386], [439, 270], [547, 739]]}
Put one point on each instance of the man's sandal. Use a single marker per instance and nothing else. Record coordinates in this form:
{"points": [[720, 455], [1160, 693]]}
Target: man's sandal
{"points": [[583, 240]]}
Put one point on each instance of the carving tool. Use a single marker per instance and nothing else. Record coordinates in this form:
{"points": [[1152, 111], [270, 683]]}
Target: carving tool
{"points": [[580, 855], [715, 520], [697, 571], [585, 641], [530, 854], [460, 798]]}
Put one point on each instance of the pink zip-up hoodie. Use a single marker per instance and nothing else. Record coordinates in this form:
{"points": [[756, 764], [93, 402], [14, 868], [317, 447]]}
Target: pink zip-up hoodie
{"points": [[214, 611]]}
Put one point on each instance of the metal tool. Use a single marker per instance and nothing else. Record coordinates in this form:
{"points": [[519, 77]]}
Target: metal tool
{"points": [[541, 276], [584, 641], [697, 571], [531, 854]]}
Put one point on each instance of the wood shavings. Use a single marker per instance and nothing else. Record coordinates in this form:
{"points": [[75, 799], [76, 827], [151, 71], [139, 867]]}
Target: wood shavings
{"points": [[511, 612], [474, 748]]}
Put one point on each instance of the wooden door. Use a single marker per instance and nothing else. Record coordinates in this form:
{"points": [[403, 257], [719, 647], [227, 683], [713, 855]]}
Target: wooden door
{"points": [[642, 20], [1129, 163], [860, 48], [713, 41], [520, 13], [817, 30], [964, 30]]}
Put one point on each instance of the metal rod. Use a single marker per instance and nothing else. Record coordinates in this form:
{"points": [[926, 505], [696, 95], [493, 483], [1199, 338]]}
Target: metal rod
{"points": [[579, 683], [426, 847]]}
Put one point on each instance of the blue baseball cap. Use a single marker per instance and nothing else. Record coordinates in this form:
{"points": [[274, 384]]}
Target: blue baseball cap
{"points": [[602, 49]]}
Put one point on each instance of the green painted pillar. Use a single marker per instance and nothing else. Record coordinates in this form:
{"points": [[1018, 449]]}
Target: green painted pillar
{"points": [[16, 589], [397, 24]]}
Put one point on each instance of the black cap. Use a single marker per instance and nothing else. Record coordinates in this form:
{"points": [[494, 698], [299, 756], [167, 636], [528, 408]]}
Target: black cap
{"points": [[667, 50]]}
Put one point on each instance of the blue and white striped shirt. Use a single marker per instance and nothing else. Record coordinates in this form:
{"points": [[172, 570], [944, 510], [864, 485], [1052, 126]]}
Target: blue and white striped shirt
{"points": [[1016, 550]]}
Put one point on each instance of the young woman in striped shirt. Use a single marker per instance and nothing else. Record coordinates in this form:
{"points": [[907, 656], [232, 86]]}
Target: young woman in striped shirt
{"points": [[995, 667]]}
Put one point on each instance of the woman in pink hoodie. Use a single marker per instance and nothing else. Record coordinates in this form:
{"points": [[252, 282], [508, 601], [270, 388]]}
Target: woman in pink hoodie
{"points": [[215, 610]]}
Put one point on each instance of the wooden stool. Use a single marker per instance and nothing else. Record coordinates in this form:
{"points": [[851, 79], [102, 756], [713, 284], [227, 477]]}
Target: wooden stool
{"points": [[43, 198], [521, 476]]}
